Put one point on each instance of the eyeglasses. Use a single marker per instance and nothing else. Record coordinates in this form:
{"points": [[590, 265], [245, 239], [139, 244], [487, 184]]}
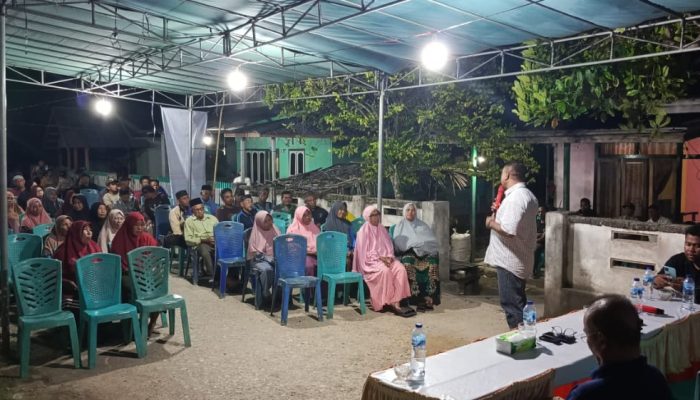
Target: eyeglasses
{"points": [[567, 335]]}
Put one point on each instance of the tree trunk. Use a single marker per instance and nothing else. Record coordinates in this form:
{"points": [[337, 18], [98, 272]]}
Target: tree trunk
{"points": [[395, 183]]}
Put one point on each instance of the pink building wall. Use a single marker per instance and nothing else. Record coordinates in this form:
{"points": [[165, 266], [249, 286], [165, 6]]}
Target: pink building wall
{"points": [[690, 191]]}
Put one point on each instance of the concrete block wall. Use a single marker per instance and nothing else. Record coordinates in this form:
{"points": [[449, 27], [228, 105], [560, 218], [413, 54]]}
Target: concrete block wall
{"points": [[580, 252]]}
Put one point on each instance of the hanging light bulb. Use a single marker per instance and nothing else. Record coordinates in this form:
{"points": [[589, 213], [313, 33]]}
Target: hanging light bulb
{"points": [[434, 56], [103, 107], [237, 80], [207, 140]]}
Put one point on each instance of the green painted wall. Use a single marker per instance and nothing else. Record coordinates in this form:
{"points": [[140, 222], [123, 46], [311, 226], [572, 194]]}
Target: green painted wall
{"points": [[317, 151]]}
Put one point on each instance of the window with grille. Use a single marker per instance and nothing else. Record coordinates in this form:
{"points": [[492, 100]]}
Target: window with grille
{"points": [[296, 162], [257, 168]]}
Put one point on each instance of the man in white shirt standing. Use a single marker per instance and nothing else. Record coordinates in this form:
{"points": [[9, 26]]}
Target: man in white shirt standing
{"points": [[512, 243]]}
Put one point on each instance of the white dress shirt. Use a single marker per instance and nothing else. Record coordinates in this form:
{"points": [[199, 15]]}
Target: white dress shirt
{"points": [[517, 216]]}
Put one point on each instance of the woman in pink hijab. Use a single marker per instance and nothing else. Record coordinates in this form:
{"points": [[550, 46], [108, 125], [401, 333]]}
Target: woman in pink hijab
{"points": [[303, 225], [35, 215], [260, 250], [374, 258]]}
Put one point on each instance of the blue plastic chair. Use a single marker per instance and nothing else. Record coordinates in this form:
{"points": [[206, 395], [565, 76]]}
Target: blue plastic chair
{"points": [[162, 227], [149, 272], [332, 253], [22, 246], [229, 251], [91, 195], [290, 272], [42, 230], [38, 288], [100, 284]]}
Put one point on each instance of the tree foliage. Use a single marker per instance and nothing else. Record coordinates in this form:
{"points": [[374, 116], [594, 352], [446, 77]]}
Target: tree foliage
{"points": [[634, 91], [428, 132]]}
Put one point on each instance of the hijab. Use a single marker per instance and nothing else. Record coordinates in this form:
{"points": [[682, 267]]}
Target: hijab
{"points": [[335, 224], [52, 208], [13, 212], [109, 230], [96, 221], [309, 231], [35, 215], [372, 242], [73, 249], [415, 235], [67, 202], [34, 191], [82, 215], [125, 240], [260, 239]]}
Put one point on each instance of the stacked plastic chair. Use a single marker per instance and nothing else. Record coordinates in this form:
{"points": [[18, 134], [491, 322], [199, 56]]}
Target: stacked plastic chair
{"points": [[281, 221], [91, 195], [230, 251], [100, 284], [149, 272], [332, 250], [38, 288], [290, 272]]}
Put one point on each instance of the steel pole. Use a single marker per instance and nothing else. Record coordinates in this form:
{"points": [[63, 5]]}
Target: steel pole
{"points": [[380, 146], [189, 131], [473, 206], [5, 295]]}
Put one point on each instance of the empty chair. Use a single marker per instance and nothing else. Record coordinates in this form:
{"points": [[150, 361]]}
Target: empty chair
{"points": [[162, 222], [149, 272], [229, 251], [281, 221], [100, 284], [42, 230], [22, 246], [91, 195], [332, 259], [38, 287], [290, 270]]}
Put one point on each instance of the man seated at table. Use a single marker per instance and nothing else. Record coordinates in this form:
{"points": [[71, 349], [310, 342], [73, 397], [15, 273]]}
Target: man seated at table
{"points": [[613, 333], [199, 233], [687, 262]]}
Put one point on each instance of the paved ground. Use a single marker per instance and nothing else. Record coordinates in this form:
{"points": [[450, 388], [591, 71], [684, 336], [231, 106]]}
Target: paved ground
{"points": [[241, 353]]}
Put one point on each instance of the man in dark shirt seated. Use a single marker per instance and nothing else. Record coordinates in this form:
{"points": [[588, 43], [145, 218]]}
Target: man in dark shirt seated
{"points": [[287, 206], [613, 332], [318, 213], [586, 210], [229, 208], [262, 203], [152, 199], [247, 214], [687, 262]]}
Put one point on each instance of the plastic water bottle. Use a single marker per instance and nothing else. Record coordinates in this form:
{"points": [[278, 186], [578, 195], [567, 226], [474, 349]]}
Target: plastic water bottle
{"points": [[418, 354], [648, 282], [689, 293], [530, 319], [636, 293]]}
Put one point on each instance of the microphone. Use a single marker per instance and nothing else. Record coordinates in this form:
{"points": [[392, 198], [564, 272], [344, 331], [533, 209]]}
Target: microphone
{"points": [[499, 198], [652, 310]]}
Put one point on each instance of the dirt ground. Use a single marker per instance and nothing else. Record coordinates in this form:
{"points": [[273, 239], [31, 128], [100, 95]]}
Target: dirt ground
{"points": [[240, 353]]}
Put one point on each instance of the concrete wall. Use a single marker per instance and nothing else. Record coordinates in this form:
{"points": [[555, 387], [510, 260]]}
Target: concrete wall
{"points": [[582, 182], [434, 213], [580, 253], [690, 189]]}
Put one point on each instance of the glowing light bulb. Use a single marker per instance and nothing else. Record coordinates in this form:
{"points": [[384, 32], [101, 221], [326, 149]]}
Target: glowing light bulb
{"points": [[237, 80], [434, 56], [103, 107]]}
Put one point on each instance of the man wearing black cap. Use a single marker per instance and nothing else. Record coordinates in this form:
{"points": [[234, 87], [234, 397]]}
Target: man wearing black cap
{"points": [[247, 214], [111, 196], [199, 232], [152, 199], [177, 217], [210, 205], [229, 208]]}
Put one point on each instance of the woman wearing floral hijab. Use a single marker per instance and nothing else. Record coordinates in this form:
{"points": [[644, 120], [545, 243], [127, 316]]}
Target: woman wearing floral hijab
{"points": [[57, 236], [34, 216]]}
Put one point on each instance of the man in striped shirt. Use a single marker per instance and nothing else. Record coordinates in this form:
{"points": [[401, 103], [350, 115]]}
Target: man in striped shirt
{"points": [[512, 242]]}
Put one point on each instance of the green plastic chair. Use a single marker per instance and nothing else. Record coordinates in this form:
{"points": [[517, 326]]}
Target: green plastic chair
{"points": [[42, 230], [22, 246], [100, 284], [391, 231], [357, 224], [332, 250], [38, 288], [148, 269]]}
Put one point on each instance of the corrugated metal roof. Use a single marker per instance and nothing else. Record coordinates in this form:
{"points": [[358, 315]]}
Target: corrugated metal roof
{"points": [[190, 46]]}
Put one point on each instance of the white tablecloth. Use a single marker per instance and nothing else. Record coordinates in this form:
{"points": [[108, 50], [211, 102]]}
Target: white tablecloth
{"points": [[475, 370]]}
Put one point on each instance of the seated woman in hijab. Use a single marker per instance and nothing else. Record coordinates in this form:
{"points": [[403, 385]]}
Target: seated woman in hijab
{"points": [[115, 219], [374, 258], [260, 250], [52, 204], [417, 247], [78, 244], [80, 210], [130, 236], [35, 215], [37, 192], [57, 235], [303, 225], [67, 202], [98, 216], [13, 213], [337, 222]]}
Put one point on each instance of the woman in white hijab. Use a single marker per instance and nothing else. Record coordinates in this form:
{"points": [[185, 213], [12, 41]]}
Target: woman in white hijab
{"points": [[417, 247], [114, 221]]}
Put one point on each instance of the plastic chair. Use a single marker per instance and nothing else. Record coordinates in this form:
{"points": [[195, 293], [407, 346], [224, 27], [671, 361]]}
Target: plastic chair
{"points": [[229, 251], [148, 270], [22, 246], [323, 227], [42, 230], [91, 195], [357, 224], [290, 272], [100, 284], [162, 227], [38, 288], [332, 258], [249, 275]]}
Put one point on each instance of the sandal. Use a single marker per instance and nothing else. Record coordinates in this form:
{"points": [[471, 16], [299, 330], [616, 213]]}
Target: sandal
{"points": [[405, 312]]}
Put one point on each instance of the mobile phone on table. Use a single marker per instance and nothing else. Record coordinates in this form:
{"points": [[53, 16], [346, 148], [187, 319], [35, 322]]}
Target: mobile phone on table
{"points": [[670, 271]]}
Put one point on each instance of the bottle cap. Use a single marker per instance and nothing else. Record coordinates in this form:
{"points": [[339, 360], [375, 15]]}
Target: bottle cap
{"points": [[530, 302], [636, 279], [419, 324]]}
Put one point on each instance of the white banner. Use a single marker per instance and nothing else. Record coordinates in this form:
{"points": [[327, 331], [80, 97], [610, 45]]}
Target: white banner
{"points": [[186, 154]]}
